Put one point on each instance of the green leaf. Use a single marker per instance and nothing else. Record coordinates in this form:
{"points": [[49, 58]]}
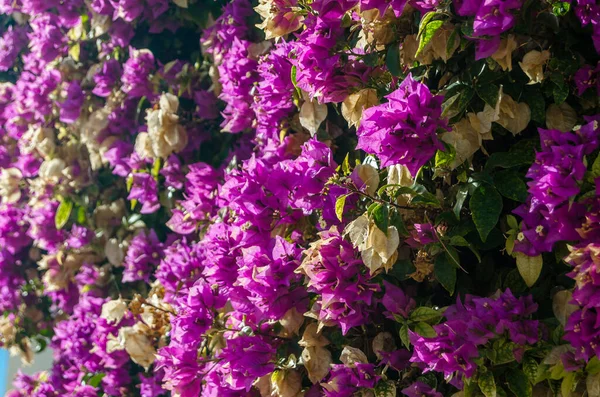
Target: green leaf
{"points": [[518, 383], [489, 93], [446, 157], [594, 172], [385, 389], [397, 221], [427, 33], [511, 185], [568, 384], [461, 196], [537, 104], [346, 164], [402, 269], [426, 198], [81, 216], [425, 314], [504, 352], [561, 8], [451, 41], [381, 216], [404, 336], [428, 17], [560, 92], [530, 267], [515, 282], [339, 206], [95, 380], [156, 166], [593, 366], [63, 212], [486, 206], [449, 107], [425, 330], [530, 367], [471, 389], [459, 241], [295, 81], [75, 51], [487, 384], [392, 60], [445, 272], [512, 222], [293, 76], [506, 160]]}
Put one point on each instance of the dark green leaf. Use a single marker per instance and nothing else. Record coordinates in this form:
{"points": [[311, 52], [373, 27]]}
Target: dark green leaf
{"points": [[392, 60], [489, 93], [504, 352], [515, 282], [445, 272], [560, 92], [63, 212], [404, 336], [381, 217], [506, 160], [402, 269], [518, 383], [426, 198], [425, 330], [487, 384], [486, 206], [537, 105], [397, 221], [461, 196], [425, 314], [451, 42], [511, 185], [530, 367], [459, 241]]}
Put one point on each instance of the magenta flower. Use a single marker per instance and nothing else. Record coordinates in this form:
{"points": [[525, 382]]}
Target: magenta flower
{"points": [[403, 130]]}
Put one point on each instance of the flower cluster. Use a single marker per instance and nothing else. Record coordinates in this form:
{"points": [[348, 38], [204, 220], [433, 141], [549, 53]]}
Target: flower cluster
{"points": [[404, 130], [549, 215], [471, 325], [335, 272]]}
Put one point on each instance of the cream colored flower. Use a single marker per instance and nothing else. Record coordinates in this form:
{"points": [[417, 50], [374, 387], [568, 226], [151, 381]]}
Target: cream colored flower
{"points": [[376, 31], [369, 177], [280, 17], [136, 343], [286, 383], [355, 104], [533, 65], [113, 311], [165, 135], [352, 356], [503, 54], [10, 178], [465, 140]]}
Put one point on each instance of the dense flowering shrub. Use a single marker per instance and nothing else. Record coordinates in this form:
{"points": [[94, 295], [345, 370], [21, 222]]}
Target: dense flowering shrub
{"points": [[301, 197]]}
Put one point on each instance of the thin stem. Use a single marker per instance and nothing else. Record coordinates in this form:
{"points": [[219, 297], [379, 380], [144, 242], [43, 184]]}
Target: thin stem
{"points": [[403, 207]]}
